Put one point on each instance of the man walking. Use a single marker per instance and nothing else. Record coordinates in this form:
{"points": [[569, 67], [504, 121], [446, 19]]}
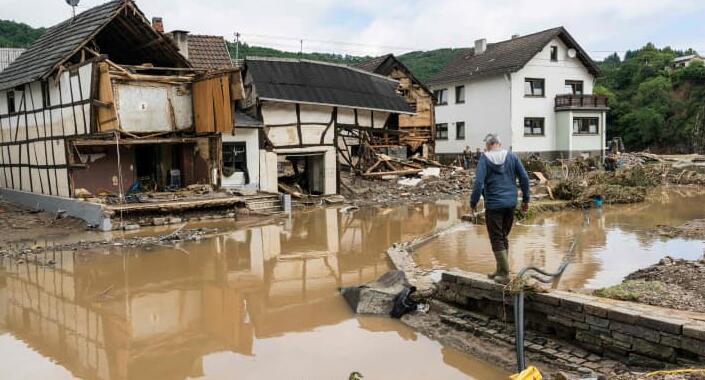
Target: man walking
{"points": [[495, 179], [467, 157]]}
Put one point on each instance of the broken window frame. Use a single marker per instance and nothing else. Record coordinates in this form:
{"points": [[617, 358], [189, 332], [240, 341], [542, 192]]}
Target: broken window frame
{"points": [[442, 131], [586, 126], [226, 151], [534, 124], [534, 87]]}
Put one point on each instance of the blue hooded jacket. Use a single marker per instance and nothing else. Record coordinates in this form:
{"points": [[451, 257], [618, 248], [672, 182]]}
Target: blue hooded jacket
{"points": [[496, 179]]}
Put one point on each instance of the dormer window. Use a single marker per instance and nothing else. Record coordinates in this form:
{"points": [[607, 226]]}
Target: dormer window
{"points": [[554, 53]]}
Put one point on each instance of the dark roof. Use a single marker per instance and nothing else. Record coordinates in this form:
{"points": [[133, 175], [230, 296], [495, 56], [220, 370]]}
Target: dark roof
{"points": [[304, 81], [385, 64], [208, 52], [373, 64], [506, 57], [60, 42], [244, 120]]}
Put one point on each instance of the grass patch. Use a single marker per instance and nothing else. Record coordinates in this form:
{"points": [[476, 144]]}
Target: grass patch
{"points": [[630, 290]]}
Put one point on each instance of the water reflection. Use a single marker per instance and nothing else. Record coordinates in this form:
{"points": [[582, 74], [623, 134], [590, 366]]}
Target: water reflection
{"points": [[259, 302], [617, 241]]}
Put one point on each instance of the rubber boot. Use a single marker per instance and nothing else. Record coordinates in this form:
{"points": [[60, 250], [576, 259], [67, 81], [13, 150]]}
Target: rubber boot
{"points": [[502, 274]]}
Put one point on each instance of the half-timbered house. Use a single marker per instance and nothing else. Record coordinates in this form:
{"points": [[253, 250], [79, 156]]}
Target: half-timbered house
{"points": [[418, 129], [102, 103], [312, 116]]}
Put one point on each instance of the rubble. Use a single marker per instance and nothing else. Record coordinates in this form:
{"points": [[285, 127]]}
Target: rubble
{"points": [[18, 223], [377, 297], [672, 283], [694, 229]]}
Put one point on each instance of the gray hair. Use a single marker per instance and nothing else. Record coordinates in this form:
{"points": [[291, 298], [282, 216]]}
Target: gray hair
{"points": [[492, 139]]}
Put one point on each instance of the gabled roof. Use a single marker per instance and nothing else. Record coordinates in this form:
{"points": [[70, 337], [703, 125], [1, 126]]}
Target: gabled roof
{"points": [[208, 52], [687, 58], [384, 64], [132, 41], [506, 57], [304, 81]]}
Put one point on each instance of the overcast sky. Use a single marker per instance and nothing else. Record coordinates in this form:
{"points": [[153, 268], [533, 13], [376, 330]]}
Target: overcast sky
{"points": [[370, 27]]}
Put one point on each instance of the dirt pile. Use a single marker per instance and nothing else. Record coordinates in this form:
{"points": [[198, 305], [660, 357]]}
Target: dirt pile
{"points": [[673, 283], [694, 229], [415, 188]]}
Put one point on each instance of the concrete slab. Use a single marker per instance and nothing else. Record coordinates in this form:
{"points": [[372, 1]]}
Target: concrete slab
{"points": [[91, 213]]}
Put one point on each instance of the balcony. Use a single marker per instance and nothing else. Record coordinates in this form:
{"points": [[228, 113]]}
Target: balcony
{"points": [[581, 102]]}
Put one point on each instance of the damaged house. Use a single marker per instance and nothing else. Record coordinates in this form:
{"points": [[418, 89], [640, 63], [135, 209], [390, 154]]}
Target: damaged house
{"points": [[419, 132], [306, 119], [104, 104]]}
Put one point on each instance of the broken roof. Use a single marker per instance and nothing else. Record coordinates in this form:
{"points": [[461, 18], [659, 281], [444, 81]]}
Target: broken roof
{"points": [[131, 40], [384, 65], [304, 81], [208, 52], [506, 57]]}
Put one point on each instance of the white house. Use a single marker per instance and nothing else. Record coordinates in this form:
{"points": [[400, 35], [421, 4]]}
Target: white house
{"points": [[535, 91], [686, 60]]}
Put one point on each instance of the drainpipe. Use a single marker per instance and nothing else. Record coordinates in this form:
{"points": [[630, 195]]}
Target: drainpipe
{"points": [[508, 77]]}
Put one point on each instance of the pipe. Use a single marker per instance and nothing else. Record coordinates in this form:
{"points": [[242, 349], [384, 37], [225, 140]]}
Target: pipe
{"points": [[519, 327]]}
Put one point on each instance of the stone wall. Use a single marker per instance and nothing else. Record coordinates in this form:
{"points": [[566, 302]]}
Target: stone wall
{"points": [[636, 334]]}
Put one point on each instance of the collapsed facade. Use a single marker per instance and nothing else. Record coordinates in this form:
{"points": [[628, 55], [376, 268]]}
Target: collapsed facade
{"points": [[105, 104], [418, 129], [306, 118]]}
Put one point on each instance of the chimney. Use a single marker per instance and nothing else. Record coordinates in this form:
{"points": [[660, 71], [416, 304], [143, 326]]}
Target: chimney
{"points": [[157, 24], [516, 36], [180, 37], [480, 46]]}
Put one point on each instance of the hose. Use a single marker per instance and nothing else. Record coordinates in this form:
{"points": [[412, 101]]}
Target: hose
{"points": [[549, 277]]}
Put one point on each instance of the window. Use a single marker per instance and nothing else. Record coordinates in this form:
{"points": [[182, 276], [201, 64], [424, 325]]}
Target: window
{"points": [[10, 101], [534, 87], [533, 126], [234, 159], [586, 125], [554, 53], [441, 96], [460, 94], [442, 131], [460, 130], [46, 101], [574, 87]]}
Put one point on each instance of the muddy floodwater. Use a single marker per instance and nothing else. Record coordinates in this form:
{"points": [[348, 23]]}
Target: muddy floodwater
{"points": [[612, 242], [255, 302], [261, 301]]}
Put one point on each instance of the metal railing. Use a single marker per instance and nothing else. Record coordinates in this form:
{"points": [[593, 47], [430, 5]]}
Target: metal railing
{"points": [[581, 101], [8, 55]]}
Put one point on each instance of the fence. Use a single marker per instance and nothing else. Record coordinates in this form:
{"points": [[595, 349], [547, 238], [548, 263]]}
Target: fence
{"points": [[7, 55]]}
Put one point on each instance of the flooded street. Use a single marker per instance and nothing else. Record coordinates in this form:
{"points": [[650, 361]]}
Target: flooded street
{"points": [[255, 303], [618, 240], [262, 302]]}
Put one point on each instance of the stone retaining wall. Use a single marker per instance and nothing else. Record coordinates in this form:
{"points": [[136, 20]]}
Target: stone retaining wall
{"points": [[636, 334]]}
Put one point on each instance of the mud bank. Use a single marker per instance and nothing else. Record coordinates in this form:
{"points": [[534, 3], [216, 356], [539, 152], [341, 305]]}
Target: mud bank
{"points": [[18, 223], [672, 283]]}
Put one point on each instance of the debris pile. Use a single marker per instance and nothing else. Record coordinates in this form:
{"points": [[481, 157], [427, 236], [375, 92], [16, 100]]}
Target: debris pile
{"points": [[19, 223], [672, 283]]}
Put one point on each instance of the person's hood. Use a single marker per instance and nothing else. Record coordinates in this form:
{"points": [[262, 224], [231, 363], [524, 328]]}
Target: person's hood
{"points": [[496, 159]]}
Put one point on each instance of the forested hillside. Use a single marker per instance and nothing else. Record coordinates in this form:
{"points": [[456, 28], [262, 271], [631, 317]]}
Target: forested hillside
{"points": [[652, 104]]}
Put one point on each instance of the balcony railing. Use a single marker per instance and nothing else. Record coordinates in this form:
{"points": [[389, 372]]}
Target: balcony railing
{"points": [[570, 101]]}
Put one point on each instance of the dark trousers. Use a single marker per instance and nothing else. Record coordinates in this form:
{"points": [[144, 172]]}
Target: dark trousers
{"points": [[499, 225]]}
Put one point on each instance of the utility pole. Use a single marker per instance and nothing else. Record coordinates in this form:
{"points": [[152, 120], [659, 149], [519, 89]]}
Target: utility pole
{"points": [[301, 49], [237, 47]]}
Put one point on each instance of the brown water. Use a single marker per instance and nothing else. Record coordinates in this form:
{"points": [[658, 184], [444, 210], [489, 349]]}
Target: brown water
{"points": [[253, 303], [617, 241]]}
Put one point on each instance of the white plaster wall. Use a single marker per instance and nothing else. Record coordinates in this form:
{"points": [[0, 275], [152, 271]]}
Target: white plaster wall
{"points": [[250, 137], [268, 171], [147, 107], [555, 75], [486, 110], [582, 143]]}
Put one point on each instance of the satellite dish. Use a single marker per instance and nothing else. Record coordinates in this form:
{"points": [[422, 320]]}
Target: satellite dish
{"points": [[572, 53], [73, 3]]}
